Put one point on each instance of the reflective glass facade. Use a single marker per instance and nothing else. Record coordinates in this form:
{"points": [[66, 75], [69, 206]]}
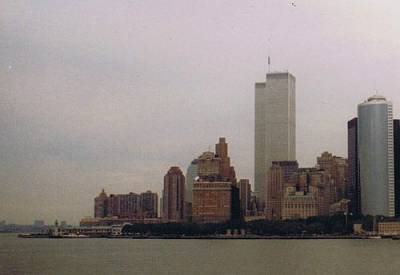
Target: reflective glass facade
{"points": [[376, 156]]}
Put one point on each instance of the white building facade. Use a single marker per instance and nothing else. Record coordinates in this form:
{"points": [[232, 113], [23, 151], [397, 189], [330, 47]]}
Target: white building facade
{"points": [[376, 156], [275, 126]]}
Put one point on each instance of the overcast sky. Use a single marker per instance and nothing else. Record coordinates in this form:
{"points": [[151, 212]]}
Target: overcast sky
{"points": [[110, 94]]}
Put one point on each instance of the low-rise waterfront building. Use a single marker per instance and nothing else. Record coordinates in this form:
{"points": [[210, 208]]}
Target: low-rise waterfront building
{"points": [[126, 206], [342, 206], [108, 221], [299, 204], [389, 228]]}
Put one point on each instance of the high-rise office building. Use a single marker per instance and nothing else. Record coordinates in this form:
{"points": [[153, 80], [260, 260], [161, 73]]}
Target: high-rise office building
{"points": [[101, 205], [376, 156], [191, 174], [215, 194], [337, 168], [307, 194], [244, 196], [278, 177], [149, 204], [125, 205], [396, 141], [174, 196], [275, 126], [353, 176], [131, 205]]}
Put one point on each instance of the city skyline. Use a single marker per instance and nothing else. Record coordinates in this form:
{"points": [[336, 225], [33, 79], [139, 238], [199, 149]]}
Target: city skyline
{"points": [[87, 104]]}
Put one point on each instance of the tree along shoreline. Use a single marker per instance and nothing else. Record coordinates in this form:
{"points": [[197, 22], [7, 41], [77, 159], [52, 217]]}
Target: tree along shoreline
{"points": [[241, 237], [337, 226]]}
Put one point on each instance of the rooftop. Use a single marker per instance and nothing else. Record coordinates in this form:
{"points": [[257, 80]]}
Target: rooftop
{"points": [[376, 98]]}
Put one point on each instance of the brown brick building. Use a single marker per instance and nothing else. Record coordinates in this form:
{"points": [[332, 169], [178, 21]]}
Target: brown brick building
{"points": [[299, 204], [130, 205], [337, 168], [148, 205], [307, 194], [174, 196], [278, 177], [212, 202], [215, 194]]}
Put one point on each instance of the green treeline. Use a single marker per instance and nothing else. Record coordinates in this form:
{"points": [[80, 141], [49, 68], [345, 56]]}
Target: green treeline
{"points": [[334, 225]]}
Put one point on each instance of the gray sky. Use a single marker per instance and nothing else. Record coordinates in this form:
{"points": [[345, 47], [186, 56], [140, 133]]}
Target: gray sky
{"points": [[110, 94]]}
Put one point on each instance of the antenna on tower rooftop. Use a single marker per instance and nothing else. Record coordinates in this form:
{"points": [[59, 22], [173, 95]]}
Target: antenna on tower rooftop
{"points": [[269, 54]]}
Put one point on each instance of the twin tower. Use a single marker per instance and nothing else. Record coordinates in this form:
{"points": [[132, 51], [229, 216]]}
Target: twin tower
{"points": [[275, 126], [373, 146]]}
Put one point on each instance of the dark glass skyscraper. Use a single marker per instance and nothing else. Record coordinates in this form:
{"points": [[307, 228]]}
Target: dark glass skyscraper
{"points": [[396, 133], [353, 181]]}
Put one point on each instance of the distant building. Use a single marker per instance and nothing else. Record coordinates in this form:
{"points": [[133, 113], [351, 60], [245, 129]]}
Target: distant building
{"points": [[215, 194], [129, 205], [254, 211], [337, 168], [307, 194], [278, 177], [299, 204], [341, 206], [376, 156], [389, 228], [358, 229], [226, 171], [123, 205], [396, 144], [275, 126], [191, 174], [353, 176], [39, 223], [149, 205], [174, 196], [208, 166], [117, 221], [212, 202], [244, 196], [101, 205], [188, 211]]}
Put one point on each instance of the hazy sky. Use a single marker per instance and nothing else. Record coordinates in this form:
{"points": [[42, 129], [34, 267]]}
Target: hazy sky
{"points": [[109, 94]]}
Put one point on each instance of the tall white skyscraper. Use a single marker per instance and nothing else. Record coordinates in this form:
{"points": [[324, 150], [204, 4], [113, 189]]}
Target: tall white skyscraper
{"points": [[275, 126], [376, 156]]}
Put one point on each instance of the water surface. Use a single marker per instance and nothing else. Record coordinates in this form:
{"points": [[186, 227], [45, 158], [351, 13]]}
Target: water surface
{"points": [[127, 256]]}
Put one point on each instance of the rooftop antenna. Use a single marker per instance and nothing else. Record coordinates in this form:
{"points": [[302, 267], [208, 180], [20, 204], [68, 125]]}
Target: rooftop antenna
{"points": [[269, 54]]}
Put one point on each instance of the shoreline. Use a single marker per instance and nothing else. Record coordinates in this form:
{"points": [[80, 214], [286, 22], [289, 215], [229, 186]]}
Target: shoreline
{"points": [[215, 237], [248, 237]]}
